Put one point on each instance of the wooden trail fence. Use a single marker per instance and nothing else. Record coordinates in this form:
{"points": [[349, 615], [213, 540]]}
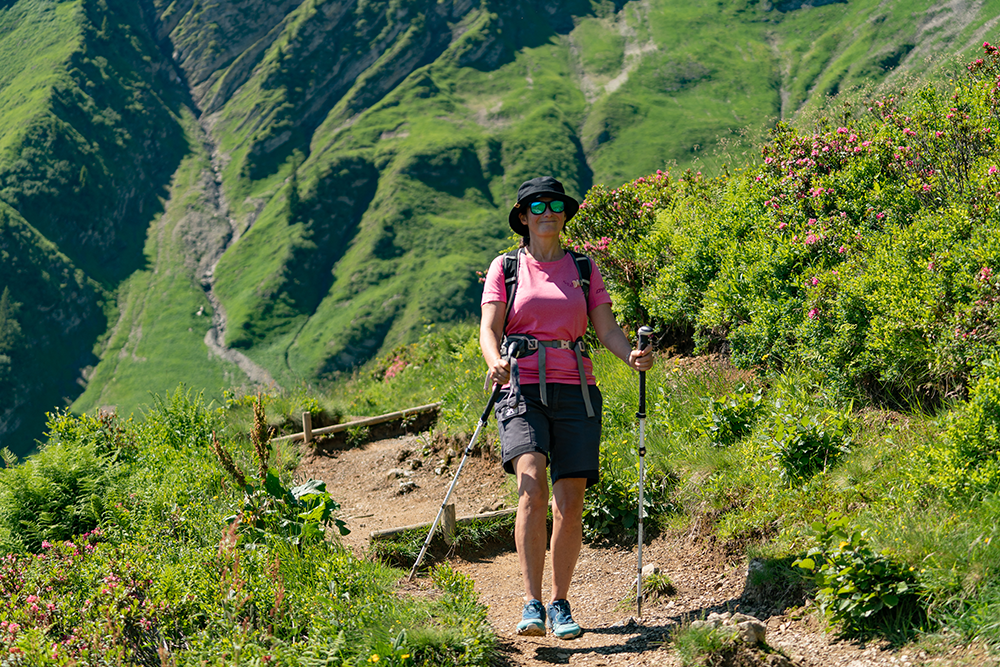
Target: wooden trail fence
{"points": [[308, 432]]}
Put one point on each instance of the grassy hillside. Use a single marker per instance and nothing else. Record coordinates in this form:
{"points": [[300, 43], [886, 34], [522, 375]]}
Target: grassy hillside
{"points": [[89, 145], [164, 312], [846, 441], [365, 154], [619, 91]]}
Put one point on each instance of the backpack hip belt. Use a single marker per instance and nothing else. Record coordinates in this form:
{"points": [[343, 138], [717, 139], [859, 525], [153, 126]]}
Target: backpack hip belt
{"points": [[526, 345]]}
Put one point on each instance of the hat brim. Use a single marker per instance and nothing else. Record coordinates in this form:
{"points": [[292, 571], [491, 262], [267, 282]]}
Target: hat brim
{"points": [[514, 219]]}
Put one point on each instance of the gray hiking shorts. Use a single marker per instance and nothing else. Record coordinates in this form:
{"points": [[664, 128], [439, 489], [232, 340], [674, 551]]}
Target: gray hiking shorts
{"points": [[561, 430]]}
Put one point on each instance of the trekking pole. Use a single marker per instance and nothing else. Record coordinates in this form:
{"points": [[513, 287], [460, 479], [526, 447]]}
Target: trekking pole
{"points": [[644, 334], [468, 450]]}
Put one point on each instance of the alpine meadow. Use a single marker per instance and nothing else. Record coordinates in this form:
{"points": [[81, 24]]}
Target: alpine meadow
{"points": [[217, 215]]}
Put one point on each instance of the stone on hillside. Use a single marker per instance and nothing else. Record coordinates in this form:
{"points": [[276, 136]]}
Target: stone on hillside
{"points": [[715, 619], [752, 632], [744, 628], [492, 507], [405, 486], [394, 473]]}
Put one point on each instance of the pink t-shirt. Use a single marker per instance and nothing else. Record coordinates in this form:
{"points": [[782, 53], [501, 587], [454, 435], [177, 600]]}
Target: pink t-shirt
{"points": [[549, 304]]}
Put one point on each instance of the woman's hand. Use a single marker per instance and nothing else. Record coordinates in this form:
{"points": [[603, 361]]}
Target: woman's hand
{"points": [[641, 360], [499, 371]]}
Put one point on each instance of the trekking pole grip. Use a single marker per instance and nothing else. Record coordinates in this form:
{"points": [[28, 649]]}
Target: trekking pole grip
{"points": [[644, 334]]}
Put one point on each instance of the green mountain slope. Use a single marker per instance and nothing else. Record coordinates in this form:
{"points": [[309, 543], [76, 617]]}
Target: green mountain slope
{"points": [[320, 179], [88, 141]]}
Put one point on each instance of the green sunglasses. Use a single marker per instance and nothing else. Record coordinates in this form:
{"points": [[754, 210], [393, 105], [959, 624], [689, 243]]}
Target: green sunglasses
{"points": [[538, 207]]}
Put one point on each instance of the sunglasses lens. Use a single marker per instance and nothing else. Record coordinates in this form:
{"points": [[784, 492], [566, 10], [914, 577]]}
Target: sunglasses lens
{"points": [[556, 206]]}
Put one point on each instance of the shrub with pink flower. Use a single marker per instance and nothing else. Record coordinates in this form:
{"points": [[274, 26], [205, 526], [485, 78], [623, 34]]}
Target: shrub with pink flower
{"points": [[616, 229]]}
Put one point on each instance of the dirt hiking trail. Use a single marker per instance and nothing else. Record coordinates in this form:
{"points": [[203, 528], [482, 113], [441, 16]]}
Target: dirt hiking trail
{"points": [[402, 481]]}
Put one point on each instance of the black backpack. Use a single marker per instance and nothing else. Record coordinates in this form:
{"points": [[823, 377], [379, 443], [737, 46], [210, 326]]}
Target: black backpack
{"points": [[510, 265]]}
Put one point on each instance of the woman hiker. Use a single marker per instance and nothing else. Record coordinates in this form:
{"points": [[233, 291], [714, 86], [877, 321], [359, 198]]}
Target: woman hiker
{"points": [[551, 415]]}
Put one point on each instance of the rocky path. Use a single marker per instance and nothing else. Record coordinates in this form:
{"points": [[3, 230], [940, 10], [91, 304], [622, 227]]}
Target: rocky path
{"points": [[371, 484]]}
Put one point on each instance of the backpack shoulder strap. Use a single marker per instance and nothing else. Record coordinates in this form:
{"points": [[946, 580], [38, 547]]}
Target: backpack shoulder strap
{"points": [[583, 268], [510, 268]]}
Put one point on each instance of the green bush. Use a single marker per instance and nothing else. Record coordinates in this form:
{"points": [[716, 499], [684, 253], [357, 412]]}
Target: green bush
{"points": [[975, 429], [805, 444], [164, 577], [731, 418], [865, 250], [611, 506], [615, 227], [271, 510], [965, 462], [861, 590], [63, 490]]}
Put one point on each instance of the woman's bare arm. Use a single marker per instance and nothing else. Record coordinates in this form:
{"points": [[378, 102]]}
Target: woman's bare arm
{"points": [[490, 334], [613, 338]]}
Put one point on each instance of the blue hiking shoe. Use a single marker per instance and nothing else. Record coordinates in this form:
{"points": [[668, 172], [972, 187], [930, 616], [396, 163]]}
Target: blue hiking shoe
{"points": [[532, 622], [561, 620]]}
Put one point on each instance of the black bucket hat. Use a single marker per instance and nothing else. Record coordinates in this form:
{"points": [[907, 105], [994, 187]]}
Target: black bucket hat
{"points": [[542, 186]]}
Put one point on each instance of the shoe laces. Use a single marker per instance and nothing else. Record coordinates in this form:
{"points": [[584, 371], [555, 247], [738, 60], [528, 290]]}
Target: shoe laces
{"points": [[533, 609], [561, 612]]}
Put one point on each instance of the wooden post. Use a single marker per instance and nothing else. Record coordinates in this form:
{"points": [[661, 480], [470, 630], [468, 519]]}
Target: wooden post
{"points": [[448, 522], [307, 427]]}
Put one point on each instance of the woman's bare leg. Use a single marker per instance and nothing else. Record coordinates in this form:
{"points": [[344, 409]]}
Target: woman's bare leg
{"points": [[529, 528], [567, 532]]}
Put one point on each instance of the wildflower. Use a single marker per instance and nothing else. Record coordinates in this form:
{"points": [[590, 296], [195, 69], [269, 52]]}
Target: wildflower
{"points": [[993, 169], [13, 628], [373, 658], [814, 281], [842, 250], [46, 544], [812, 221], [841, 130], [813, 313], [32, 599], [782, 225], [811, 238]]}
